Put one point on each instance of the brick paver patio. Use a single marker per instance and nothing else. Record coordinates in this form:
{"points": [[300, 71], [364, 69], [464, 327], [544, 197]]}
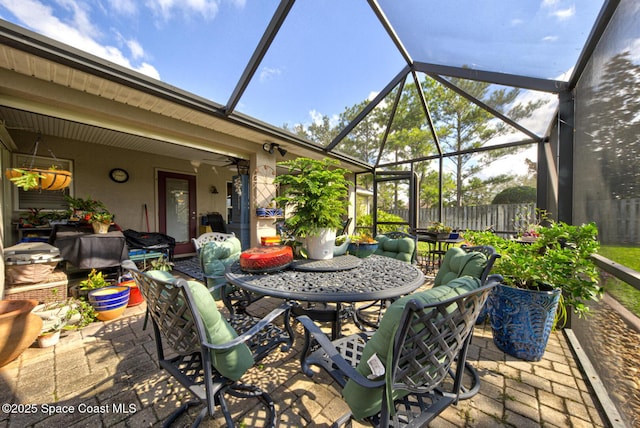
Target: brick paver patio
{"points": [[106, 375]]}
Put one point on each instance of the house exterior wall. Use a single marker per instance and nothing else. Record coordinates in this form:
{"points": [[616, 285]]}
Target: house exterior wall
{"points": [[92, 163]]}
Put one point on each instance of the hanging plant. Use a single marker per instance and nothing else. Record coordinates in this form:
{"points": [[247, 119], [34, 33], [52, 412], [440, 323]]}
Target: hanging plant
{"points": [[41, 179]]}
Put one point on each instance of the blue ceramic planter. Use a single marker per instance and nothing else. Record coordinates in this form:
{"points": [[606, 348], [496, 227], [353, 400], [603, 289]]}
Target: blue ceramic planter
{"points": [[362, 250], [521, 320]]}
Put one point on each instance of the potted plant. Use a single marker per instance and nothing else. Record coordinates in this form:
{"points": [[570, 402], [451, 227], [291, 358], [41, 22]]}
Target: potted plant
{"points": [[362, 245], [94, 280], [542, 278], [43, 179], [81, 209], [438, 230], [100, 221], [316, 192], [56, 316]]}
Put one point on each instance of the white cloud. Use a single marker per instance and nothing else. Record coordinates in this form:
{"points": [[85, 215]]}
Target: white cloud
{"points": [[550, 38], [267, 73], [124, 7], [136, 49], [208, 9], [78, 32], [563, 14]]}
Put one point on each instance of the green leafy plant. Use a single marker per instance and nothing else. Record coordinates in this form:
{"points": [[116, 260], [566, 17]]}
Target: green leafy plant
{"points": [[24, 178], [437, 227], [101, 217], [87, 204], [316, 192], [161, 263], [95, 279], [560, 257]]}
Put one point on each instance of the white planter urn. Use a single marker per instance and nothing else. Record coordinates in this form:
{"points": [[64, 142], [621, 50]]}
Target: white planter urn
{"points": [[320, 246]]}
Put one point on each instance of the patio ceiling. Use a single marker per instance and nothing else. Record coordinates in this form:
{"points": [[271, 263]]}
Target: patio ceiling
{"points": [[535, 48]]}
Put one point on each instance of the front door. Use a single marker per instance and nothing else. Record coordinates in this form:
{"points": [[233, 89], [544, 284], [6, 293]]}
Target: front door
{"points": [[177, 208]]}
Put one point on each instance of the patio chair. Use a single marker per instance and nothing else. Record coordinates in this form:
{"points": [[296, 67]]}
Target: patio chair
{"points": [[475, 261], [399, 245], [216, 251], [414, 366], [208, 357], [199, 242]]}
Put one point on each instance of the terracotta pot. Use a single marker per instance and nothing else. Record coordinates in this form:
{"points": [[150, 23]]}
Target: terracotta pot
{"points": [[18, 328]]}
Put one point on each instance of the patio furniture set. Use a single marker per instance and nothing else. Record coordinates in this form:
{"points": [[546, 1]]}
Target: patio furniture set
{"points": [[403, 371]]}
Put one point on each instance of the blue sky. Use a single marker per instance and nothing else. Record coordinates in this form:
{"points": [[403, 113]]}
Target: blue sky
{"points": [[329, 54]]}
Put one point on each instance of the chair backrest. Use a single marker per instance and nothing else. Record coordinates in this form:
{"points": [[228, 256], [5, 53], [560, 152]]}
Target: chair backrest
{"points": [[489, 252], [459, 261], [395, 236], [166, 304], [418, 340], [430, 338], [199, 242]]}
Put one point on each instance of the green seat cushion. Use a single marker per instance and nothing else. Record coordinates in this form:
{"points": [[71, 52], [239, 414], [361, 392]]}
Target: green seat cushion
{"points": [[365, 402], [214, 259], [400, 248], [232, 363], [457, 263]]}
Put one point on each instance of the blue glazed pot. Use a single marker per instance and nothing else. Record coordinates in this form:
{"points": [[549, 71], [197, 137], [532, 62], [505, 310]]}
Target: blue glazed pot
{"points": [[522, 320], [362, 250]]}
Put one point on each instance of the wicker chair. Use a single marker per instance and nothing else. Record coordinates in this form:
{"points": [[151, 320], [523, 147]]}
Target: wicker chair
{"points": [[421, 343], [207, 355]]}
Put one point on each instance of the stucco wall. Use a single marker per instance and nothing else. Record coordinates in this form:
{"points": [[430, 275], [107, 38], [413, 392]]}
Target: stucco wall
{"points": [[91, 166]]}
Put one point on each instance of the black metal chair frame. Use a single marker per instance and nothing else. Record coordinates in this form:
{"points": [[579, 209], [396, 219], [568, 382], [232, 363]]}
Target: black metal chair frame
{"points": [[429, 358], [180, 328]]}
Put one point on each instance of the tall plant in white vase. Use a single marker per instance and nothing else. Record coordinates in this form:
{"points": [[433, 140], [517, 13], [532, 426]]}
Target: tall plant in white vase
{"points": [[315, 198]]}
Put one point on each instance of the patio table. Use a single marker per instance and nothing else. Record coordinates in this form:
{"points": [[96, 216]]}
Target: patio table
{"points": [[343, 279], [438, 246]]}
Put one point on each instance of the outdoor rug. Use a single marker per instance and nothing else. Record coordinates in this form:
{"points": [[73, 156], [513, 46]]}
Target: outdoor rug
{"points": [[189, 266]]}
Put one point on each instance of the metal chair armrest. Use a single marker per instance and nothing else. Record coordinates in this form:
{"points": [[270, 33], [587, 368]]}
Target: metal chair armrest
{"points": [[311, 329], [247, 335]]}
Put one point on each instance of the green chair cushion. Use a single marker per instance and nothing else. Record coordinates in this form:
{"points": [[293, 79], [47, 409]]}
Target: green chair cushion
{"points": [[214, 259], [457, 263], [232, 363], [366, 402], [400, 249]]}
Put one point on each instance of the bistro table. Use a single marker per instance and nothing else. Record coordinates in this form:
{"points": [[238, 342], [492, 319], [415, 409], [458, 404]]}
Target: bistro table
{"points": [[343, 279], [438, 246]]}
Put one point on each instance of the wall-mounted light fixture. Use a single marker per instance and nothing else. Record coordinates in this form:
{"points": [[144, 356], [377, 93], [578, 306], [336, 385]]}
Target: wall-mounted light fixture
{"points": [[214, 190], [195, 164], [269, 147]]}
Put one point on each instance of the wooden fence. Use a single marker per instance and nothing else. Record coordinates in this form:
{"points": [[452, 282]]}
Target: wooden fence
{"points": [[499, 218], [618, 221]]}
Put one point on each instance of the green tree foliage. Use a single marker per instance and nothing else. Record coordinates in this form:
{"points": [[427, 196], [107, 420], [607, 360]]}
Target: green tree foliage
{"points": [[516, 195], [459, 124], [463, 126], [383, 216]]}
